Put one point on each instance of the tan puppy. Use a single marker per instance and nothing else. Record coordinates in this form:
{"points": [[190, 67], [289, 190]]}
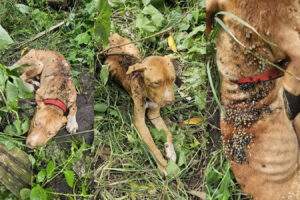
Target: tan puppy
{"points": [[56, 94], [258, 137], [150, 85]]}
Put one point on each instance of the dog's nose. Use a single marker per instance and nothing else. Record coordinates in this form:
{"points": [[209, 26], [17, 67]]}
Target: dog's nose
{"points": [[29, 144], [169, 103]]}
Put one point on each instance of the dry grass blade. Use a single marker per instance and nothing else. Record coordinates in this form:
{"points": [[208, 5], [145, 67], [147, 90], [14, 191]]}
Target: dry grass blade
{"points": [[245, 24]]}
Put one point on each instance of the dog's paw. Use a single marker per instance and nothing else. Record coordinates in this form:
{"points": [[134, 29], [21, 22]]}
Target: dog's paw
{"points": [[36, 83], [162, 170], [72, 125], [30, 87], [171, 154]]}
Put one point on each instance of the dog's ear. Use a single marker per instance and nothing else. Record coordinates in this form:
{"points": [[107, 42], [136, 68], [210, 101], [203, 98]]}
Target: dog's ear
{"points": [[212, 7], [135, 68]]}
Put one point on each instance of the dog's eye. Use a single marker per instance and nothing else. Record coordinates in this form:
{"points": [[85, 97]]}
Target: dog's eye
{"points": [[35, 124], [156, 84]]}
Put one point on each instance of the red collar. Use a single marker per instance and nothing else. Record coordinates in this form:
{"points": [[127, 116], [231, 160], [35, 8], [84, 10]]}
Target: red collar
{"points": [[57, 103], [271, 74]]}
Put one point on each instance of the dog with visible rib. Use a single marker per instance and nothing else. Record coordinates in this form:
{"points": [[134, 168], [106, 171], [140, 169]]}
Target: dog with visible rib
{"points": [[150, 84], [55, 96], [258, 136]]}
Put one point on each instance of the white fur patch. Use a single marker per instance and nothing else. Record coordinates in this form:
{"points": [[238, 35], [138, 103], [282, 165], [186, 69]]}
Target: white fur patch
{"points": [[151, 104], [171, 154], [33, 141], [65, 63], [167, 93], [36, 83], [165, 172], [30, 86], [72, 125]]}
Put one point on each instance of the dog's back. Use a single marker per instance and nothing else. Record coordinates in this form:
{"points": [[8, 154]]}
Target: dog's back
{"points": [[120, 58]]}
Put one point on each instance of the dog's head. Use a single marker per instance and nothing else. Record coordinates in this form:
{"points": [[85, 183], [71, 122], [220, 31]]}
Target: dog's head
{"points": [[157, 76], [45, 124]]}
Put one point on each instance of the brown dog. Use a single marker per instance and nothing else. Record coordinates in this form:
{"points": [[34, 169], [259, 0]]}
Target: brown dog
{"points": [[56, 94], [258, 137], [150, 85]]}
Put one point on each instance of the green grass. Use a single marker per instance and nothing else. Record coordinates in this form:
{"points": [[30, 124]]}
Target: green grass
{"points": [[125, 168], [53, 163]]}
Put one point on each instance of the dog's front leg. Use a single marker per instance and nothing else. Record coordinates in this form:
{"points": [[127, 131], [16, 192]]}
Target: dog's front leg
{"points": [[139, 121], [289, 42], [296, 124], [153, 114]]}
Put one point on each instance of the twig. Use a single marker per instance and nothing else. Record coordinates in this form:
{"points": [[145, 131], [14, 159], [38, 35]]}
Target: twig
{"points": [[3, 97], [156, 34], [42, 33]]}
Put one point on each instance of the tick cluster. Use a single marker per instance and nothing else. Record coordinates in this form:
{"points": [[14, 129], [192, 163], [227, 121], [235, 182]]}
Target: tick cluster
{"points": [[242, 114]]}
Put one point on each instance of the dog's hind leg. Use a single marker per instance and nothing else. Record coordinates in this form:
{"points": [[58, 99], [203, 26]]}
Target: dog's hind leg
{"points": [[30, 72], [153, 114]]}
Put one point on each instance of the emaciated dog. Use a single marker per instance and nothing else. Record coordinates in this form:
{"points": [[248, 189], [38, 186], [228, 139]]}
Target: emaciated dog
{"points": [[150, 85], [56, 95], [258, 136]]}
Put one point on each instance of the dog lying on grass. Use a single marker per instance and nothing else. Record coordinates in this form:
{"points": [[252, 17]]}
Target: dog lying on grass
{"points": [[56, 95], [150, 85], [258, 137]]}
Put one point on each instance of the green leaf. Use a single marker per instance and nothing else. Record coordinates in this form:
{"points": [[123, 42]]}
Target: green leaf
{"points": [[102, 24], [225, 183], [38, 193], [9, 144], [32, 159], [100, 107], [25, 194], [69, 175], [23, 8], [182, 159], [49, 192], [17, 125], [146, 2], [50, 169], [11, 94], [144, 24], [156, 17], [200, 28], [158, 135], [25, 125], [83, 38], [172, 169], [3, 76], [104, 74], [10, 129], [23, 91], [41, 175], [5, 39]]}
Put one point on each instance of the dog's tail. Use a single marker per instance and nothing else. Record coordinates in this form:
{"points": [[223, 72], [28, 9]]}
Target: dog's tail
{"points": [[212, 7]]}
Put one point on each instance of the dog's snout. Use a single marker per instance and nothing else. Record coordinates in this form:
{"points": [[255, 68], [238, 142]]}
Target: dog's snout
{"points": [[30, 144], [169, 103]]}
